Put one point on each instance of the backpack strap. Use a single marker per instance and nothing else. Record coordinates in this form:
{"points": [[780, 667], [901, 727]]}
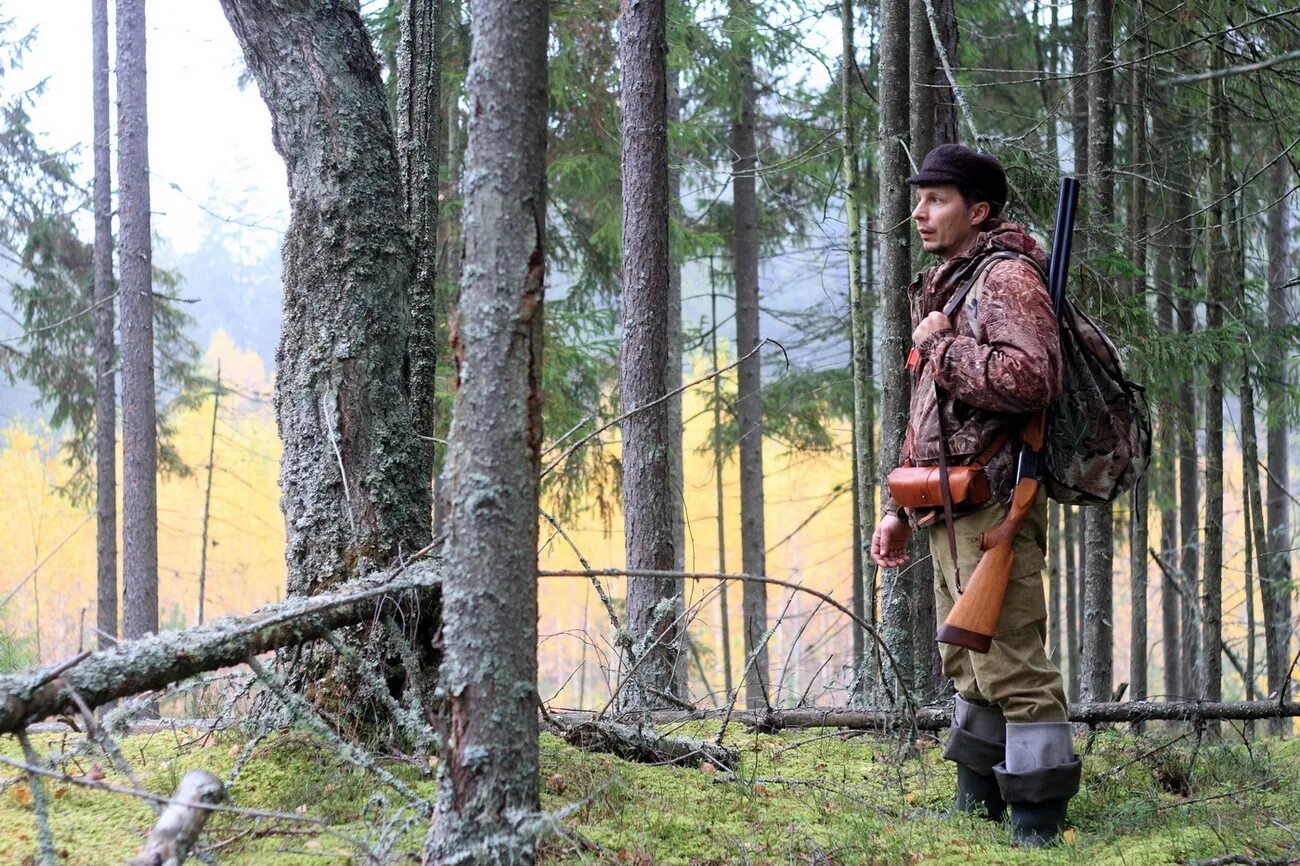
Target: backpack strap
{"points": [[981, 271]]}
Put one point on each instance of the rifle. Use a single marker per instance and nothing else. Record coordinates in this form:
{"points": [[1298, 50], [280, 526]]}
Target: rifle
{"points": [[974, 618]]}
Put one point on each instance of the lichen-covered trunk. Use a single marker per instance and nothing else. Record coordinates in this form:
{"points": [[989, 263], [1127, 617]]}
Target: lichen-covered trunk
{"points": [[1073, 602], [749, 401], [419, 73], [1216, 279], [1098, 608], [139, 417], [105, 345], [901, 588], [354, 491], [354, 475], [1277, 569], [643, 357], [488, 779]]}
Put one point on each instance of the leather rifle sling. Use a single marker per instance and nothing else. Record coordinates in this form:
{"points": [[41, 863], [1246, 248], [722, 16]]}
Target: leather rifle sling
{"points": [[945, 490]]}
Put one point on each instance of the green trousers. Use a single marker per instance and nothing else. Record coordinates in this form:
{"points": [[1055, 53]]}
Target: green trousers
{"points": [[1015, 674]]}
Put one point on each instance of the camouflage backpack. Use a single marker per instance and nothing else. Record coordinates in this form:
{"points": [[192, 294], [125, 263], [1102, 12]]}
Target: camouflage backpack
{"points": [[1097, 437], [1097, 440]]}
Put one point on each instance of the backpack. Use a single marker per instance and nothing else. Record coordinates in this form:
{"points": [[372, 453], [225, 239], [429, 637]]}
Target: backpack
{"points": [[1097, 436]]}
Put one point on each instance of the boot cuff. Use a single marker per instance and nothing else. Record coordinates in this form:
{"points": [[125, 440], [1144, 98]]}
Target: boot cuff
{"points": [[1039, 786], [979, 753]]}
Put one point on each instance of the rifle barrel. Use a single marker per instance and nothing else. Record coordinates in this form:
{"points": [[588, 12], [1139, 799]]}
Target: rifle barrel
{"points": [[1058, 265]]}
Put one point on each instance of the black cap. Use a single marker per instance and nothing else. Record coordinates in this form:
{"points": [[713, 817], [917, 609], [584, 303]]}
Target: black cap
{"points": [[978, 175]]}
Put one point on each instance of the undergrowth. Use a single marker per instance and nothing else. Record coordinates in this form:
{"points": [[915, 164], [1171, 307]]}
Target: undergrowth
{"points": [[800, 797]]}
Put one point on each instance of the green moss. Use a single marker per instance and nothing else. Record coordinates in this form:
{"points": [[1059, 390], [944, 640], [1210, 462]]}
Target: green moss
{"points": [[799, 797]]}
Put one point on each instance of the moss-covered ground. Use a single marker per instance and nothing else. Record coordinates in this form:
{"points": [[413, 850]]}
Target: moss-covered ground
{"points": [[801, 797]]}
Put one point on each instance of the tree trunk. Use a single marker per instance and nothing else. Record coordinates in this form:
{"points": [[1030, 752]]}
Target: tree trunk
{"points": [[355, 489], [1073, 580], [673, 382], [1164, 463], [901, 588], [749, 401], [1277, 599], [355, 471], [864, 513], [923, 121], [1216, 278], [105, 346], [139, 424], [488, 778], [1098, 629], [1079, 87], [419, 78], [1054, 630], [724, 608], [207, 501], [1137, 256], [643, 360]]}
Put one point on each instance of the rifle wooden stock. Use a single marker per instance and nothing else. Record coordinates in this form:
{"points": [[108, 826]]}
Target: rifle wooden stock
{"points": [[974, 618]]}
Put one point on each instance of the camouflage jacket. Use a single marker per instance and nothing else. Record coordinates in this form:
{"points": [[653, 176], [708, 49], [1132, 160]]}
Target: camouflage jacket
{"points": [[999, 363]]}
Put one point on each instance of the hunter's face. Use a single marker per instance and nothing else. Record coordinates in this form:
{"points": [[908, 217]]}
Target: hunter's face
{"points": [[944, 222]]}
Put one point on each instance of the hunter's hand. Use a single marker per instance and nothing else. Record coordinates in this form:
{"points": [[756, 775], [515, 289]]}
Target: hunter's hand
{"points": [[932, 323], [889, 542]]}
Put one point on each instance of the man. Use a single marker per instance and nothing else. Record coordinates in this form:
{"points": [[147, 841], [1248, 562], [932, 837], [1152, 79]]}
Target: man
{"points": [[980, 377]]}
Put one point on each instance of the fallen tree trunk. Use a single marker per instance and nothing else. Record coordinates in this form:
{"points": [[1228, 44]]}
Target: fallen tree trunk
{"points": [[180, 824], [938, 718], [156, 661], [633, 743]]}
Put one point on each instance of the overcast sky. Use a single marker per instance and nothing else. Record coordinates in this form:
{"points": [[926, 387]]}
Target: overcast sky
{"points": [[210, 149]]}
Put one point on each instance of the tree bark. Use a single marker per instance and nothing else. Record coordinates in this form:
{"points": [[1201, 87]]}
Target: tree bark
{"points": [[419, 74], [488, 778], [673, 382], [1073, 580], [643, 359], [724, 607], [1137, 256], [1277, 571], [1098, 628], [139, 417], [156, 661], [354, 479], [901, 588], [940, 717], [105, 345], [860, 349], [1216, 279], [1079, 87], [180, 824], [749, 400], [207, 502]]}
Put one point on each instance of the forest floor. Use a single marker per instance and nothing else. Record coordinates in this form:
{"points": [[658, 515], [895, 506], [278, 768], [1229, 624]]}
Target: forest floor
{"points": [[800, 797]]}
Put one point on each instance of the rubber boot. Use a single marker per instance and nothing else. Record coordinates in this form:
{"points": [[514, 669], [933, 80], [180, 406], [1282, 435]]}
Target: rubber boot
{"points": [[976, 743], [978, 794], [1039, 776]]}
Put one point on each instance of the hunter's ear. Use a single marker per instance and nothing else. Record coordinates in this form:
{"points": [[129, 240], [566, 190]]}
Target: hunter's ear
{"points": [[979, 212]]}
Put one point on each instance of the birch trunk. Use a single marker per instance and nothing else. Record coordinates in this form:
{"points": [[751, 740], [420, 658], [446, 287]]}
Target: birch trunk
{"points": [[139, 417], [643, 360], [488, 779], [105, 345], [749, 401]]}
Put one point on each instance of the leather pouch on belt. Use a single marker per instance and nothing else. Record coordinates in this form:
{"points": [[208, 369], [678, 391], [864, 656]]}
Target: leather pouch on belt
{"points": [[918, 486]]}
